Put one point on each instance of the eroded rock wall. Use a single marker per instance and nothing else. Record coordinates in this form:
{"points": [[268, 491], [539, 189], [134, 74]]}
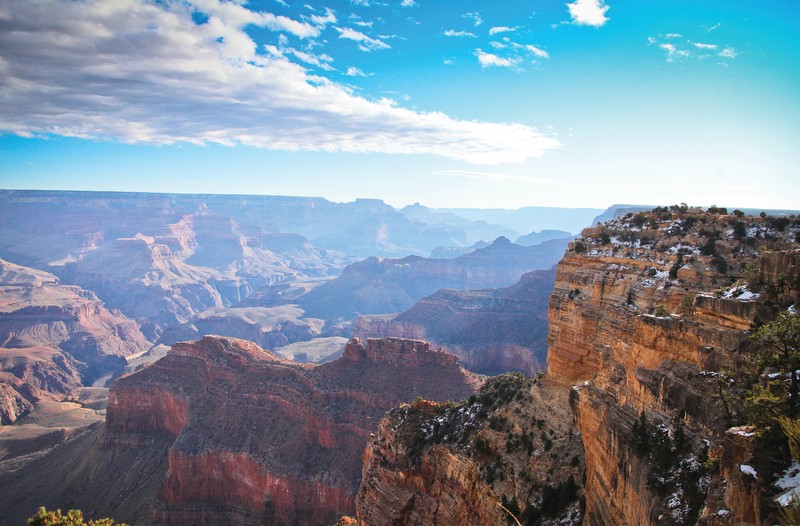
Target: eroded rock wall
{"points": [[261, 440], [645, 310]]}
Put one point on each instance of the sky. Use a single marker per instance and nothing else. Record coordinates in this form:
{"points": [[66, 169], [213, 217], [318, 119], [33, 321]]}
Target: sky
{"points": [[470, 103]]}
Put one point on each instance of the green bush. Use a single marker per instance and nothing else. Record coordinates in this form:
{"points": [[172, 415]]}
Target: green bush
{"points": [[72, 518]]}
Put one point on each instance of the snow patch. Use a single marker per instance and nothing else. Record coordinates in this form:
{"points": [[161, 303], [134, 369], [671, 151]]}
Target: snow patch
{"points": [[748, 470], [740, 293]]}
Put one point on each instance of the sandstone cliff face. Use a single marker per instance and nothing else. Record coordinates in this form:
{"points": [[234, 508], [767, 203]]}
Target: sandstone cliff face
{"points": [[261, 440], [491, 331], [507, 451], [54, 338], [645, 310]]}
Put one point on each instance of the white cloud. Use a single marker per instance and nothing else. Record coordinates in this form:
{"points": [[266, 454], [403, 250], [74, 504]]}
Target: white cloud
{"points": [[454, 33], [490, 176], [714, 27], [539, 52], [588, 12], [408, 3], [502, 29], [700, 45], [498, 45], [728, 52], [328, 18], [357, 20], [673, 35], [235, 15], [489, 60], [474, 17], [673, 53], [321, 61], [365, 43], [145, 72], [353, 71]]}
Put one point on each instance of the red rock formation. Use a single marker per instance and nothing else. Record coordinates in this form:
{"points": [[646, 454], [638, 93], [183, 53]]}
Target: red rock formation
{"points": [[644, 311], [263, 440]]}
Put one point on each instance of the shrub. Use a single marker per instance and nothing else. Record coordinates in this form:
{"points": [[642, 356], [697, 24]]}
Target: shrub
{"points": [[720, 264], [72, 518], [686, 308], [661, 311], [739, 230]]}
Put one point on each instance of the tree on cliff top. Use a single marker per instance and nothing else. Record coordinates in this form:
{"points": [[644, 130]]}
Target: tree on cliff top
{"points": [[779, 341]]}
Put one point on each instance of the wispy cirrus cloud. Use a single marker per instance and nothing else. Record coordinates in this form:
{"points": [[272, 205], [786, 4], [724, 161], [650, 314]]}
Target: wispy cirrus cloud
{"points": [[365, 42], [673, 53], [488, 60], [474, 17], [142, 72], [588, 12], [678, 48], [536, 50], [491, 176], [502, 29], [454, 33]]}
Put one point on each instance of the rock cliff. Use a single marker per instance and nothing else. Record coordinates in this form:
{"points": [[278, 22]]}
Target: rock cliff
{"points": [[649, 324], [509, 451], [261, 440], [645, 311], [491, 331], [54, 338]]}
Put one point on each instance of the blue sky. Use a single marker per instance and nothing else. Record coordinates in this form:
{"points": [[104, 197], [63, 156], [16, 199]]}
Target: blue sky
{"points": [[470, 103]]}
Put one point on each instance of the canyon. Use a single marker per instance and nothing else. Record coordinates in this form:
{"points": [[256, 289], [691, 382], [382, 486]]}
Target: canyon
{"points": [[490, 330], [648, 312], [644, 327], [250, 438], [55, 338], [383, 286]]}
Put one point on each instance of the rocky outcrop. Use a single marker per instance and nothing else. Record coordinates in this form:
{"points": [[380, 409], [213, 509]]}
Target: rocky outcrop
{"points": [[491, 331], [481, 461], [261, 440], [54, 338], [382, 286], [645, 311]]}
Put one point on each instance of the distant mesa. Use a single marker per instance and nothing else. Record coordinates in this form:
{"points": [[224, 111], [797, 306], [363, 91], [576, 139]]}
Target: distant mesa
{"points": [[382, 286]]}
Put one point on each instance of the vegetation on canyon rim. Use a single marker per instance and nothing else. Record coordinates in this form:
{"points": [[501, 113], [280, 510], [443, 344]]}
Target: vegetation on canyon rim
{"points": [[72, 518]]}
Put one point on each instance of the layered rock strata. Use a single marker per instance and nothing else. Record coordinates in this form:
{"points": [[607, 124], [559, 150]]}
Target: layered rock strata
{"points": [[54, 338], [645, 311], [261, 440], [491, 331]]}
